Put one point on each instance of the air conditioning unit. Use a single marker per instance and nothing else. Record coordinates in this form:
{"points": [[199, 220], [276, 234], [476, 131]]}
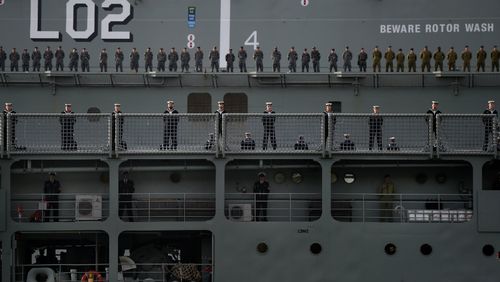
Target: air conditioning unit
{"points": [[88, 207], [240, 212]]}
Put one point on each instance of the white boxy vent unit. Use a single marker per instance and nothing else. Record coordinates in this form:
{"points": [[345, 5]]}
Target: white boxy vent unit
{"points": [[240, 212], [88, 207]]}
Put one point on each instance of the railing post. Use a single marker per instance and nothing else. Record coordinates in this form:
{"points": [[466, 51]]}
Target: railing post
{"points": [[216, 134], [114, 141], [494, 137], [7, 138], [223, 143], [437, 141], [401, 210], [149, 207], [184, 207], [290, 206], [255, 206]]}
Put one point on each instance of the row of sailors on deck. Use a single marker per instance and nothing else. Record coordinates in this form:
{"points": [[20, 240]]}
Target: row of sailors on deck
{"points": [[390, 56], [171, 121]]}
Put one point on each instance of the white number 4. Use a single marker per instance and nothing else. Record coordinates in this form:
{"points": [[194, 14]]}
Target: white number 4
{"points": [[252, 40]]}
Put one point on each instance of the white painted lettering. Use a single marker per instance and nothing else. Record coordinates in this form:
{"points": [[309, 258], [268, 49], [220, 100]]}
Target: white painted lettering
{"points": [[35, 30]]}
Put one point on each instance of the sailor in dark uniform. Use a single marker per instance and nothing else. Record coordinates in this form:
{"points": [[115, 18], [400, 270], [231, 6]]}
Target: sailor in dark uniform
{"points": [[13, 121], [242, 59], [315, 57], [103, 60], [489, 123], [161, 57], [14, 60], [67, 121], [276, 57], [148, 59], [126, 189], [214, 59], [347, 57], [306, 58], [172, 57], [198, 59], [268, 121], [347, 144], [392, 145], [333, 58], [3, 57], [261, 191], [73, 60], [185, 58], [134, 60], [60, 59], [117, 120], [292, 60], [230, 61], [326, 113], [85, 60], [48, 56], [258, 56], [248, 143], [170, 124], [51, 191], [301, 144], [36, 57], [25, 60], [434, 111], [119, 59], [362, 57], [220, 111], [375, 123]]}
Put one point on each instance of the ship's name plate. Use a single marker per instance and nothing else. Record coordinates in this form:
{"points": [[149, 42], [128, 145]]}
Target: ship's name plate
{"points": [[479, 27]]}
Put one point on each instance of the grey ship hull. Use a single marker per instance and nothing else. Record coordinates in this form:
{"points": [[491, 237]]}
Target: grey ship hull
{"points": [[351, 251]]}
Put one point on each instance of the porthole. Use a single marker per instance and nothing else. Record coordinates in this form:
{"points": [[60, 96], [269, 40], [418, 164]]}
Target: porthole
{"points": [[488, 250], [315, 248], [426, 249], [390, 249], [262, 248]]}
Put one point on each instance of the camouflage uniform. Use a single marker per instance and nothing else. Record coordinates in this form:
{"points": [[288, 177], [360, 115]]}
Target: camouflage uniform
{"points": [[412, 61], [60, 59], [258, 56], [426, 57], [452, 59], [495, 57], [438, 60], [242, 59], [466, 57], [306, 58], [389, 58], [161, 57], [148, 60], [481, 59], [185, 58], [377, 57], [172, 58], [400, 61], [214, 57], [73, 60], [316, 57], [14, 60], [292, 60]]}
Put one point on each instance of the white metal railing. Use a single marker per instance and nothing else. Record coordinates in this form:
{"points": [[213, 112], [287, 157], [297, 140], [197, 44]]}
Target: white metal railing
{"points": [[273, 206], [166, 133], [404, 208], [2, 135], [273, 133], [62, 207], [151, 207], [371, 133], [59, 133], [62, 272], [467, 134]]}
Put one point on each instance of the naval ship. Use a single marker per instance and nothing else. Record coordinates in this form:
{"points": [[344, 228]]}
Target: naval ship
{"points": [[417, 200]]}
